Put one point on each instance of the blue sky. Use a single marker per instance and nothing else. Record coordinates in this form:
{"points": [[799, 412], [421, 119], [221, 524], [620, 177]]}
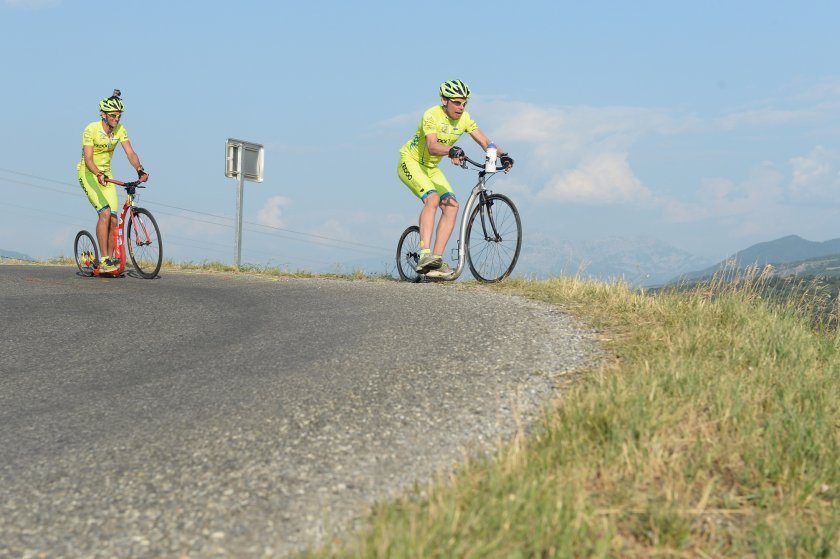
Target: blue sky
{"points": [[709, 126]]}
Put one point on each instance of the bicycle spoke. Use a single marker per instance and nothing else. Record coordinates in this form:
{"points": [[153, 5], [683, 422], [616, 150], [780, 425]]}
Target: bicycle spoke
{"points": [[408, 254], [144, 243], [86, 253], [495, 241]]}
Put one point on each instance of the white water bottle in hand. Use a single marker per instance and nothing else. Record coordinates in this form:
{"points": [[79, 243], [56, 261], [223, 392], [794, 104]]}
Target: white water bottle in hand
{"points": [[490, 159]]}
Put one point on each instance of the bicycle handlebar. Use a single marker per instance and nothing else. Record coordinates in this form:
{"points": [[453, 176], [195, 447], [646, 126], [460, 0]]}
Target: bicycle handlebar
{"points": [[481, 165], [132, 184]]}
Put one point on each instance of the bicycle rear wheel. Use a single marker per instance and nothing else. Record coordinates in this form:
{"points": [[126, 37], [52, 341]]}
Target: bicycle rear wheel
{"points": [[494, 238], [87, 255], [145, 247], [408, 254]]}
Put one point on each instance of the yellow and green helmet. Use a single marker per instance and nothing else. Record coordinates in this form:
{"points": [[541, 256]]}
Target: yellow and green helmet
{"points": [[112, 104], [454, 89]]}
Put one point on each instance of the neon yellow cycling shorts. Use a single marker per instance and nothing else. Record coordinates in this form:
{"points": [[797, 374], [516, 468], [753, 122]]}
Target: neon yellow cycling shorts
{"points": [[422, 180], [101, 197]]}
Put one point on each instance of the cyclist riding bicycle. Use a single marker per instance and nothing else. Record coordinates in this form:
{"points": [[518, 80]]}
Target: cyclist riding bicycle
{"points": [[439, 129], [99, 140]]}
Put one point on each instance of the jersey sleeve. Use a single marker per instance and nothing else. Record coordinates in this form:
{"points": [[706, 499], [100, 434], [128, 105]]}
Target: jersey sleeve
{"points": [[430, 124], [470, 125], [87, 136]]}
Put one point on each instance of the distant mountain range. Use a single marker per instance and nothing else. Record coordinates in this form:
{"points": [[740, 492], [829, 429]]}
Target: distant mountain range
{"points": [[645, 262], [639, 261], [788, 255], [14, 255]]}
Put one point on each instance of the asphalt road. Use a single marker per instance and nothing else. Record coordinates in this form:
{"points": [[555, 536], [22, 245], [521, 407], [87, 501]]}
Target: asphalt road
{"points": [[220, 415]]}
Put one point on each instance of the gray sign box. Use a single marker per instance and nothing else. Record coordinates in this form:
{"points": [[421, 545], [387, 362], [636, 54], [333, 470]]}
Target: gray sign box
{"points": [[245, 158]]}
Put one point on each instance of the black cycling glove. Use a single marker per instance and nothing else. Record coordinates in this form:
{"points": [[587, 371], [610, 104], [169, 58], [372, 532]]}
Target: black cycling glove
{"points": [[507, 161], [456, 153]]}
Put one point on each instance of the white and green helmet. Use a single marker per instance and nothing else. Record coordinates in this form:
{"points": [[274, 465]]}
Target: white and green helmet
{"points": [[454, 89]]}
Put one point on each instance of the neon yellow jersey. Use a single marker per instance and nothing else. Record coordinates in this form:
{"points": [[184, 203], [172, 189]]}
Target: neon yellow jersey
{"points": [[436, 121], [103, 144]]}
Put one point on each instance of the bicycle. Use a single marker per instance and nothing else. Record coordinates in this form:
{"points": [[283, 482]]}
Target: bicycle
{"points": [[490, 235], [141, 234]]}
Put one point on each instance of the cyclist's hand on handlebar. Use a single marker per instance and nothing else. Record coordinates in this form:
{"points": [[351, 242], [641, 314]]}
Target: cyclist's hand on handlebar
{"points": [[507, 161], [142, 174], [457, 155], [100, 178]]}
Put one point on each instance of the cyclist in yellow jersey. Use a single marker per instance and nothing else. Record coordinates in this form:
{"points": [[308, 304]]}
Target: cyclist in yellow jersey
{"points": [[439, 129], [99, 140]]}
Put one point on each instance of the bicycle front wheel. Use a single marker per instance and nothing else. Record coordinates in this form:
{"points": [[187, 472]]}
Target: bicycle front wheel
{"points": [[145, 247], [494, 238], [87, 255], [408, 254]]}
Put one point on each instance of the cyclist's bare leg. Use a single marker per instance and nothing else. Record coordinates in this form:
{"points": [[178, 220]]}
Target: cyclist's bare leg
{"points": [[427, 219], [449, 213], [103, 233], [111, 247]]}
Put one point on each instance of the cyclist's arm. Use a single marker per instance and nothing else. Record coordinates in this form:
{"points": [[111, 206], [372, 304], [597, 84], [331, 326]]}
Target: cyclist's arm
{"points": [[133, 158], [483, 141], [437, 148], [87, 151]]}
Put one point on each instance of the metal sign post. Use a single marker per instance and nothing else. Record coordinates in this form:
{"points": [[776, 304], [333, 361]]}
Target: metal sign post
{"points": [[237, 241], [243, 160]]}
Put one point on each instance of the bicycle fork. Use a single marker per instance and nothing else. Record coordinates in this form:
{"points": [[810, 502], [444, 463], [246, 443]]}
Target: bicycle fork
{"points": [[141, 234], [486, 211]]}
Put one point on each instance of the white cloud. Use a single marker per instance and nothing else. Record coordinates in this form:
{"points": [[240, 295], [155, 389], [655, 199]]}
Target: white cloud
{"points": [[334, 229], [744, 203], [573, 133], [271, 214], [603, 179], [581, 154], [816, 175]]}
